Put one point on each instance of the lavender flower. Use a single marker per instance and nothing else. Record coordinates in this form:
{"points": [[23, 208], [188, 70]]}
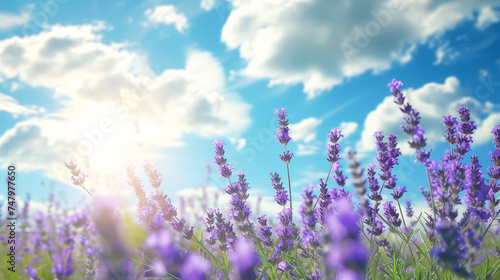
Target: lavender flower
{"points": [[282, 131], [135, 183], [339, 177], [373, 184], [324, 200], [224, 232], [409, 210], [347, 254], [282, 135], [225, 170], [464, 113], [333, 148], [153, 174], [377, 228], [166, 255], [391, 214], [276, 182], [285, 231], [412, 127], [287, 269], [476, 190], [387, 157], [357, 176], [281, 198], [463, 144], [398, 193], [90, 270], [32, 273], [395, 85], [452, 248], [494, 172], [244, 259], [309, 217], [194, 268], [219, 147], [265, 231], [451, 132], [332, 151], [286, 157]]}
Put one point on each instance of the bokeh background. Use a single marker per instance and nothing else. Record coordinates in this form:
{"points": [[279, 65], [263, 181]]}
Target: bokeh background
{"points": [[109, 83]]}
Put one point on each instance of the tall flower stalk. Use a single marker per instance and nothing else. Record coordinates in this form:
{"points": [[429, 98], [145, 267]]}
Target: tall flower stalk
{"points": [[283, 137], [413, 129]]}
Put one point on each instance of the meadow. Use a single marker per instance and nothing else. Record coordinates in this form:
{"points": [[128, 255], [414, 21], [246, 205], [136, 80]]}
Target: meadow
{"points": [[332, 233]]}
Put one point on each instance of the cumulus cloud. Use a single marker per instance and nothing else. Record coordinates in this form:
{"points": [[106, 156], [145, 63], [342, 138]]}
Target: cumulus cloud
{"points": [[168, 15], [305, 130], [444, 54], [238, 142], [303, 134], [10, 105], [432, 100], [9, 20], [207, 5], [110, 101], [487, 16], [348, 128], [34, 143], [307, 149], [309, 175], [349, 38]]}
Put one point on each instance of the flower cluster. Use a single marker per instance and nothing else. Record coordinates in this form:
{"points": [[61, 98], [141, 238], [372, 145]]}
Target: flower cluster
{"points": [[225, 170], [347, 254]]}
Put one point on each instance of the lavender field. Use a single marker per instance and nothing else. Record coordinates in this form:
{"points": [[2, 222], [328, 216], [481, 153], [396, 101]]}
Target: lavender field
{"points": [[339, 235], [235, 139]]}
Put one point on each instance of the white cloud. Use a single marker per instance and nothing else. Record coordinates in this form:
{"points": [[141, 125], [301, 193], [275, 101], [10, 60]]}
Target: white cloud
{"points": [[305, 130], [303, 134], [8, 20], [110, 101], [379, 33], [240, 143], [207, 5], [483, 133], [14, 86], [307, 176], [168, 14], [307, 149], [444, 54], [12, 106], [348, 128], [487, 16], [432, 101]]}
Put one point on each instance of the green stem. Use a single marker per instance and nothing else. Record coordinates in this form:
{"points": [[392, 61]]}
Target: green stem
{"points": [[487, 228], [212, 256], [326, 182], [289, 185], [401, 211], [430, 189], [83, 187], [258, 242], [262, 252]]}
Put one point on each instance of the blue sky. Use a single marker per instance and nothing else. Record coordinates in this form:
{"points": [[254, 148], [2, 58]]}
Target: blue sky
{"points": [[107, 83]]}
